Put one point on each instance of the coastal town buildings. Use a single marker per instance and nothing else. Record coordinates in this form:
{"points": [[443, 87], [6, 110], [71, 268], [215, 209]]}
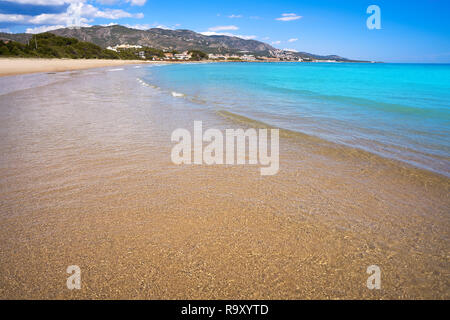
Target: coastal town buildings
{"points": [[183, 56], [272, 56], [248, 57], [169, 55], [267, 59], [324, 61], [213, 56]]}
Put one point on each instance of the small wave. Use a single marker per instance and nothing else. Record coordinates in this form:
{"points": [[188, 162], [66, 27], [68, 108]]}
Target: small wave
{"points": [[177, 94], [91, 73], [145, 84], [118, 69]]}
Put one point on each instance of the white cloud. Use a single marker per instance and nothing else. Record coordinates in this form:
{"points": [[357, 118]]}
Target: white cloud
{"points": [[61, 2], [46, 2], [110, 24], [235, 16], [77, 14], [276, 42], [223, 28], [212, 33], [92, 12], [137, 2], [289, 17], [132, 2], [16, 18], [293, 40], [139, 26], [55, 19], [244, 37], [42, 29], [5, 30], [162, 26], [107, 2]]}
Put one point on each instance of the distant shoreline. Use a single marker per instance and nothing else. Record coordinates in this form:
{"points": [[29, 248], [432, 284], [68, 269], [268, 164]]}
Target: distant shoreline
{"points": [[16, 66]]}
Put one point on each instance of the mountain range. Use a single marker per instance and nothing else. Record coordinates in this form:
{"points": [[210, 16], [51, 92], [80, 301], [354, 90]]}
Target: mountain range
{"points": [[164, 39]]}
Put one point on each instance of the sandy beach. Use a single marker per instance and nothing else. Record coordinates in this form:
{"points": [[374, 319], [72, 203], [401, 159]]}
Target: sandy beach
{"points": [[14, 66], [86, 179]]}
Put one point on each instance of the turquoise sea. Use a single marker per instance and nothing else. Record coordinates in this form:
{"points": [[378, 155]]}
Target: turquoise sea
{"points": [[399, 111]]}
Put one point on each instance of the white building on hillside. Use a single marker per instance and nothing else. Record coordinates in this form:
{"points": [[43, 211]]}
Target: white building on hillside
{"points": [[183, 56], [124, 46], [213, 56], [248, 57]]}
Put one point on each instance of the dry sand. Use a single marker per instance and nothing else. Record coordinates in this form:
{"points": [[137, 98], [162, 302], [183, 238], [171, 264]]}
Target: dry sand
{"points": [[13, 66]]}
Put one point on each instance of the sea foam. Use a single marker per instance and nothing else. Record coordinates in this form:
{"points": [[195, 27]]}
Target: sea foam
{"points": [[177, 94]]}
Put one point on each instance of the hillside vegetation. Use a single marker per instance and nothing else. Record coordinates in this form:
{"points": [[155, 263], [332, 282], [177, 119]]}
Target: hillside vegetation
{"points": [[161, 39], [48, 45]]}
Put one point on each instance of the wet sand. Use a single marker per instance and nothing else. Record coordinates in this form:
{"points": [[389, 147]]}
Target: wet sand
{"points": [[86, 179], [14, 66]]}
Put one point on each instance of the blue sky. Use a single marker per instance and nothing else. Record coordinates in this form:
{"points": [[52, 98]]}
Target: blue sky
{"points": [[411, 31]]}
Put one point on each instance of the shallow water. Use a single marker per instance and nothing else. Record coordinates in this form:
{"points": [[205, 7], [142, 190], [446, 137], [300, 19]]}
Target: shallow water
{"points": [[400, 111]]}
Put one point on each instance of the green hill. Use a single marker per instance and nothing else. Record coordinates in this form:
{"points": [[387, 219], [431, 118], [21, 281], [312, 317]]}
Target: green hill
{"points": [[169, 40], [92, 42], [48, 45]]}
